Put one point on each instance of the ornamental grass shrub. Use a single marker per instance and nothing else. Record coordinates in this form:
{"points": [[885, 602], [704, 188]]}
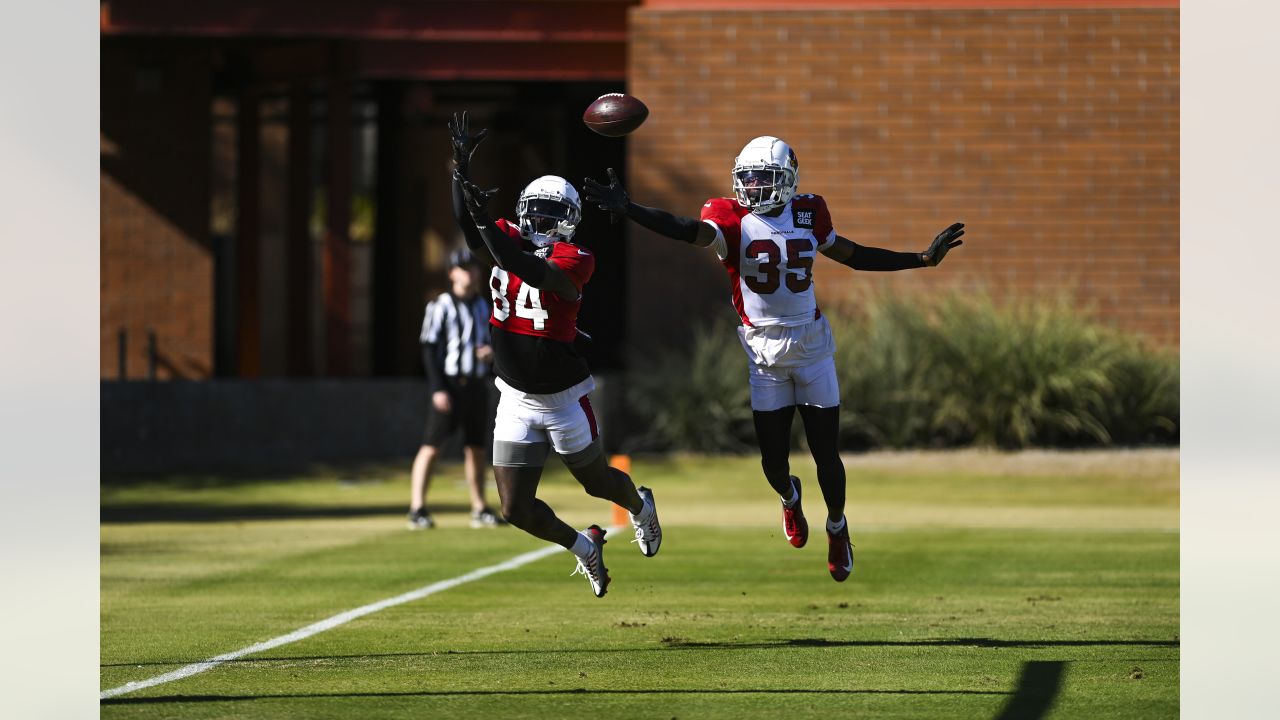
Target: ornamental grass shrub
{"points": [[956, 370]]}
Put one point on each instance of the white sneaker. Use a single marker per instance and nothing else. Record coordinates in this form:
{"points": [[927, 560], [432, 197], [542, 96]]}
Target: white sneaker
{"points": [[593, 565], [649, 532]]}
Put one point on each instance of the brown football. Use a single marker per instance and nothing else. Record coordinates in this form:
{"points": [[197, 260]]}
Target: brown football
{"points": [[615, 114]]}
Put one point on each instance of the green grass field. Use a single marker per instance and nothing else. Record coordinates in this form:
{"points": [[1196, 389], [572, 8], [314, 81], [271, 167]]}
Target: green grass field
{"points": [[985, 585]]}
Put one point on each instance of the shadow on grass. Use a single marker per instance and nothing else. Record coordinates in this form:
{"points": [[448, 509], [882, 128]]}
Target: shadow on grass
{"points": [[1034, 695], [676, 644], [203, 512], [1037, 689], [566, 691], [345, 473], [944, 642]]}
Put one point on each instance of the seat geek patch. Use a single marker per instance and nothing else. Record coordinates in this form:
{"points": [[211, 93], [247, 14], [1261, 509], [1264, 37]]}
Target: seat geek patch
{"points": [[803, 217]]}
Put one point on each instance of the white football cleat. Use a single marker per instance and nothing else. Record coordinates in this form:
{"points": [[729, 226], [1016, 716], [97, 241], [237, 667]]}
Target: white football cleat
{"points": [[593, 565], [648, 532]]}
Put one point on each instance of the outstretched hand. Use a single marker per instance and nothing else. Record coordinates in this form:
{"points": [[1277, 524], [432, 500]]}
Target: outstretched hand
{"points": [[475, 198], [612, 197], [942, 244], [464, 143]]}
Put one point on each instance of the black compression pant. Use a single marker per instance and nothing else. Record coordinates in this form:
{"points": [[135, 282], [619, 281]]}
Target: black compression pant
{"points": [[822, 430]]}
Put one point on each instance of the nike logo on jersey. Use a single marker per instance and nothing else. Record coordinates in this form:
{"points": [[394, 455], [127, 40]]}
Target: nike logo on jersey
{"points": [[584, 253]]}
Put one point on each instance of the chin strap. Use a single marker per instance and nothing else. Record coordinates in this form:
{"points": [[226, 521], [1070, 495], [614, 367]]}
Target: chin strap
{"points": [[564, 233]]}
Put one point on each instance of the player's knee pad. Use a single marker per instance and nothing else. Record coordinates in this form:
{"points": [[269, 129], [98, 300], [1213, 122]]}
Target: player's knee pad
{"points": [[517, 454], [585, 456]]}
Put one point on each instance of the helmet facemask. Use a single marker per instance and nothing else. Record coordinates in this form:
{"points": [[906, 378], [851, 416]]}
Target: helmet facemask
{"points": [[761, 190], [546, 221]]}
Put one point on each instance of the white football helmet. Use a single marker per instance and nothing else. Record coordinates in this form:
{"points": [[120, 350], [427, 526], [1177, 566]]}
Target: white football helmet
{"points": [[549, 210], [765, 174]]}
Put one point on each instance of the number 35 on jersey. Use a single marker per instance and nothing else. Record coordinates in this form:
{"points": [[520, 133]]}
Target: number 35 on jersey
{"points": [[769, 258]]}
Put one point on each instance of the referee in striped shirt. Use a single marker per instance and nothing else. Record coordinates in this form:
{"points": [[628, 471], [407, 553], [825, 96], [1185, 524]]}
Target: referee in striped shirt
{"points": [[456, 356]]}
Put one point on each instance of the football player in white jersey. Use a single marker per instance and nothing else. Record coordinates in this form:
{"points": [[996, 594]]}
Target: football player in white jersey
{"points": [[767, 236]]}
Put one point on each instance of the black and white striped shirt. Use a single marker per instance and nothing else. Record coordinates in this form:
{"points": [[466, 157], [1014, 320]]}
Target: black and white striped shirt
{"points": [[456, 328]]}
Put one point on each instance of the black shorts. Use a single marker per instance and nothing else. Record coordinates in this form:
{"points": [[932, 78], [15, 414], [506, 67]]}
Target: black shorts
{"points": [[470, 411]]}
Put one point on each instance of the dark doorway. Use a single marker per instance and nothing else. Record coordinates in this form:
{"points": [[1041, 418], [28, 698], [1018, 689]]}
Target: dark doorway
{"points": [[535, 129]]}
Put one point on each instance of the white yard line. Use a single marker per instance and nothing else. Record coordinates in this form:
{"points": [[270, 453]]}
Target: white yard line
{"points": [[336, 620]]}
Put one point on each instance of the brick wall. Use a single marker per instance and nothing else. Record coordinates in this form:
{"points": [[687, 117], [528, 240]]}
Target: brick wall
{"points": [[1052, 133], [156, 265]]}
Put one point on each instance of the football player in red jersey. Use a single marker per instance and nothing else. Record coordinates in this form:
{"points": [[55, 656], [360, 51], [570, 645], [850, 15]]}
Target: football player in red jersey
{"points": [[537, 280], [767, 236]]}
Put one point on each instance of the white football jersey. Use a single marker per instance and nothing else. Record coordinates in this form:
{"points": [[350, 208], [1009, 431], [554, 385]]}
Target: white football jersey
{"points": [[770, 259]]}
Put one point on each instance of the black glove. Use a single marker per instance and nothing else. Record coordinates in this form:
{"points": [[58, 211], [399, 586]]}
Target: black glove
{"points": [[612, 197], [475, 198], [505, 252], [464, 143], [947, 239]]}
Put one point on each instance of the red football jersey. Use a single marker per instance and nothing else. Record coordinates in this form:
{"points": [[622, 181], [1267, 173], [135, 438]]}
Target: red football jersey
{"points": [[524, 309]]}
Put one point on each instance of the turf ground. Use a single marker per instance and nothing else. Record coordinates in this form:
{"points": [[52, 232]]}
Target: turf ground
{"points": [[985, 585]]}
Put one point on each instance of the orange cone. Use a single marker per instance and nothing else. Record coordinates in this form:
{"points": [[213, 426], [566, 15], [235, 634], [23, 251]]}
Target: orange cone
{"points": [[621, 516]]}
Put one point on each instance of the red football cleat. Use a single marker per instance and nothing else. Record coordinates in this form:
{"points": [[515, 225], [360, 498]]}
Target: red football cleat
{"points": [[840, 554], [793, 522]]}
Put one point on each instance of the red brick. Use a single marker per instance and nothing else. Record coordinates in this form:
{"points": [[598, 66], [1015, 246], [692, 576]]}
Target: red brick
{"points": [[1053, 133], [156, 266]]}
